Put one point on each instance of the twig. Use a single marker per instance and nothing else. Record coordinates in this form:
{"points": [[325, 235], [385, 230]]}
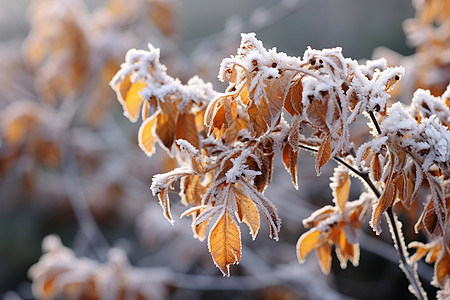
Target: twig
{"points": [[399, 242]]}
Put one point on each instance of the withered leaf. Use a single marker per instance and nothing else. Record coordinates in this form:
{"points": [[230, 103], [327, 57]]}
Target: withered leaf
{"points": [[290, 162], [377, 169], [248, 212], [165, 130], [293, 102], [186, 129], [323, 154], [225, 243]]}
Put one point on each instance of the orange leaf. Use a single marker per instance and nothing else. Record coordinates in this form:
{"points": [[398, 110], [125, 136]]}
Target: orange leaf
{"points": [[290, 162], [442, 267], [186, 129], [130, 99], [165, 130], [323, 253], [324, 153], [306, 243], [225, 243], [146, 136], [293, 103], [377, 170], [341, 187], [248, 213], [386, 201]]}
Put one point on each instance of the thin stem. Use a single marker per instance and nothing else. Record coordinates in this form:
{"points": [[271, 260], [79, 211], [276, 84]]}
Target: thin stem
{"points": [[399, 242], [397, 237]]}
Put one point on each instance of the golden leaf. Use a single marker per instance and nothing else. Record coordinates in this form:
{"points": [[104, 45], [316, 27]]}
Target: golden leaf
{"points": [[130, 99], [186, 129], [248, 213], [323, 253], [225, 243], [290, 162], [341, 187], [146, 136], [306, 243]]}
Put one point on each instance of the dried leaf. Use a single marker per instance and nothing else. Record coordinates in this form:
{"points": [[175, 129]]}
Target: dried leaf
{"points": [[225, 243], [442, 267], [341, 186], [186, 129], [248, 213], [130, 99], [377, 169], [385, 201], [306, 243], [293, 102], [324, 153], [165, 130], [290, 162], [146, 136]]}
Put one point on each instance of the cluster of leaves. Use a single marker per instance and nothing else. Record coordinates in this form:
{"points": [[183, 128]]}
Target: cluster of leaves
{"points": [[227, 160]]}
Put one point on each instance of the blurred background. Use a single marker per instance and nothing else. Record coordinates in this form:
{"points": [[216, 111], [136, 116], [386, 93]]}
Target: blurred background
{"points": [[70, 164]]}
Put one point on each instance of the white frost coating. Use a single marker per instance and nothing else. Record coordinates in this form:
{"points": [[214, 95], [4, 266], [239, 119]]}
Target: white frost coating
{"points": [[145, 66], [160, 181], [187, 147], [434, 137], [398, 121], [331, 60], [240, 168], [428, 105], [371, 65], [253, 58], [139, 63]]}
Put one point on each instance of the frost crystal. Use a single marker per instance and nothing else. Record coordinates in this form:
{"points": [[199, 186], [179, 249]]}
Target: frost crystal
{"points": [[398, 121], [240, 168]]}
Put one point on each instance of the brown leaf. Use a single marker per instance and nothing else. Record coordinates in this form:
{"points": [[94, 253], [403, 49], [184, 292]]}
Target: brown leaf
{"points": [[306, 243], [276, 94], [324, 153], [386, 200], [146, 136], [257, 118], [290, 162], [225, 243], [377, 170], [193, 190], [293, 102], [165, 130], [186, 129]]}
